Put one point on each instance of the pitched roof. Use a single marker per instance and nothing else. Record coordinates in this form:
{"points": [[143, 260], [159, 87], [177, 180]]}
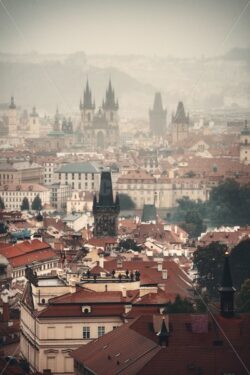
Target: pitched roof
{"points": [[82, 167], [134, 349], [148, 213]]}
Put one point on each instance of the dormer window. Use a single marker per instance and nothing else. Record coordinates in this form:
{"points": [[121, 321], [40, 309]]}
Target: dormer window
{"points": [[86, 309]]}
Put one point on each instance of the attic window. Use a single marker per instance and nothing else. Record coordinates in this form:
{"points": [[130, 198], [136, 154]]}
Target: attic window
{"points": [[86, 309], [43, 301]]}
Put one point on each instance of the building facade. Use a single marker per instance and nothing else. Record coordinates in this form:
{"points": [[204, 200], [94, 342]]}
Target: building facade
{"points": [[84, 176], [13, 195]]}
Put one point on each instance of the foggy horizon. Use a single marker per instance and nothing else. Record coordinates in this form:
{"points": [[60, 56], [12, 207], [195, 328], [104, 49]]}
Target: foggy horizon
{"points": [[181, 29]]}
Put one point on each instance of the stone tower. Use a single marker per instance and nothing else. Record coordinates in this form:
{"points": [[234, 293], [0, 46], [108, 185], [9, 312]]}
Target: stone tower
{"points": [[245, 145], [34, 124], [227, 291], [87, 108], [157, 117], [12, 118], [105, 208], [180, 124]]}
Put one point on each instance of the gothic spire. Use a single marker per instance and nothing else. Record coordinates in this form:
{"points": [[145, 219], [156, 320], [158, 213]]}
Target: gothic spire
{"points": [[158, 102], [12, 103], [87, 98], [110, 103], [180, 115]]}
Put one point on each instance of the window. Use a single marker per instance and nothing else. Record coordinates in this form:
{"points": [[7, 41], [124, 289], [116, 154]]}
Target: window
{"points": [[93, 176], [59, 176], [79, 185], [73, 176], [101, 331], [86, 332]]}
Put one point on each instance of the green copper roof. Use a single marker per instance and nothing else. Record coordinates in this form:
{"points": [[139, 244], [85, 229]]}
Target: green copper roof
{"points": [[84, 167], [148, 213]]}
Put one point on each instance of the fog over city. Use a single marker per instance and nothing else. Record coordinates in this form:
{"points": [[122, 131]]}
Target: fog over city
{"points": [[124, 187], [195, 51]]}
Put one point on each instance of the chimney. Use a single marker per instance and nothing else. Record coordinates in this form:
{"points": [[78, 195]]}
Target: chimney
{"points": [[124, 292], [128, 307], [6, 312], [164, 274], [101, 261], [159, 266], [47, 372]]}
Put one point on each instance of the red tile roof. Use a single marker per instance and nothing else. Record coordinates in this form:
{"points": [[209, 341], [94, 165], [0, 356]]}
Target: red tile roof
{"points": [[133, 349], [26, 252], [177, 281]]}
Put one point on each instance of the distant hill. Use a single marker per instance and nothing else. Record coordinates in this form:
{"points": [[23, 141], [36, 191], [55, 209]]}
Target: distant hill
{"points": [[50, 80], [47, 84]]}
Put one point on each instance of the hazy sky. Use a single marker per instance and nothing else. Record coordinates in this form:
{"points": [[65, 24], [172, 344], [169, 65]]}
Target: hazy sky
{"points": [[182, 28]]}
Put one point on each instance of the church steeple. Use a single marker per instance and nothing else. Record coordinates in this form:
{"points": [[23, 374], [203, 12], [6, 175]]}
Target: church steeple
{"points": [[12, 103], [227, 291], [157, 117], [87, 98], [110, 103], [180, 115]]}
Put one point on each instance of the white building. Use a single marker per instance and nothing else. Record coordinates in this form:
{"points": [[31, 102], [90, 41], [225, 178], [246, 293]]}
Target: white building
{"points": [[80, 201], [13, 195], [59, 195], [83, 176]]}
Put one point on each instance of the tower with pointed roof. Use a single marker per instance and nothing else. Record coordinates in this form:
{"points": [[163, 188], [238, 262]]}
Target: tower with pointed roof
{"points": [[99, 129], [12, 118], [180, 124], [245, 145], [227, 291], [105, 208], [87, 107], [34, 124], [157, 117]]}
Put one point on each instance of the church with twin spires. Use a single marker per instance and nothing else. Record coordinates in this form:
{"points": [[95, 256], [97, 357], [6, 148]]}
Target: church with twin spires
{"points": [[99, 128]]}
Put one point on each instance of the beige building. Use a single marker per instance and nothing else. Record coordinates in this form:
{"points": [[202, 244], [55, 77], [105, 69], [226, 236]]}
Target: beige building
{"points": [[19, 172], [13, 195], [143, 188], [53, 326], [59, 195], [80, 201]]}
